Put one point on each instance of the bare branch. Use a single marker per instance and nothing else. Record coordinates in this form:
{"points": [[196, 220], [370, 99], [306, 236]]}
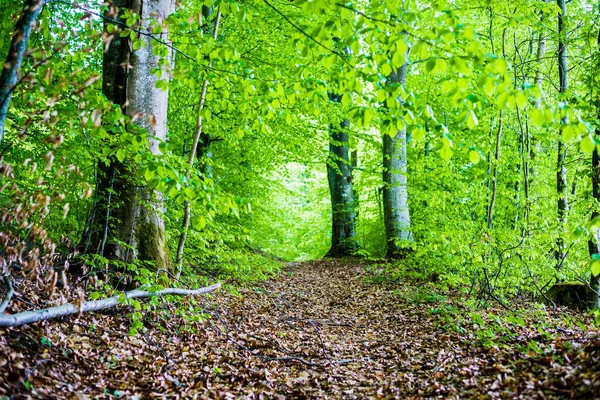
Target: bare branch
{"points": [[29, 317]]}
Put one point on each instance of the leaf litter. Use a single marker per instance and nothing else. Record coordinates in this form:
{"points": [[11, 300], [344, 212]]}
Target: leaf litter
{"points": [[319, 330]]}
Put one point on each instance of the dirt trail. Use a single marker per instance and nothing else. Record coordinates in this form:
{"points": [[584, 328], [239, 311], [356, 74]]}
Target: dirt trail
{"points": [[318, 331]]}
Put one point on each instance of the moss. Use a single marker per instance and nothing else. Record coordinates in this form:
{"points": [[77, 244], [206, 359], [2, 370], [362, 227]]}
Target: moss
{"points": [[570, 293], [153, 246]]}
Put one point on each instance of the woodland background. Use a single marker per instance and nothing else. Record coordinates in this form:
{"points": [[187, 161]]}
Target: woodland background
{"points": [[204, 140]]}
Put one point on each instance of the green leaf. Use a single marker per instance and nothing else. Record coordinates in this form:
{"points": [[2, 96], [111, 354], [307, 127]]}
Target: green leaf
{"points": [[346, 99], [568, 133], [430, 65], [398, 59], [418, 134], [537, 117], [199, 223], [499, 66], [596, 268], [120, 155], [386, 69], [94, 295], [587, 144], [446, 149], [368, 117], [472, 121], [521, 99], [488, 87], [474, 157]]}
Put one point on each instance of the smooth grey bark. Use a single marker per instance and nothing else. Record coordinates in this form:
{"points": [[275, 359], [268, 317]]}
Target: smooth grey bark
{"points": [[540, 53], [126, 212], [561, 169], [16, 52], [28, 317], [395, 186], [205, 139], [339, 177]]}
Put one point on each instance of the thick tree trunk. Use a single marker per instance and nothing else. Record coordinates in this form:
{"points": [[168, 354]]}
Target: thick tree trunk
{"points": [[339, 176], [11, 66], [395, 190], [126, 212], [561, 169]]}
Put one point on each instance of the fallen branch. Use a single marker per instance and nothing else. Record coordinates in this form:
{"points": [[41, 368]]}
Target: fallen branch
{"points": [[29, 317]]}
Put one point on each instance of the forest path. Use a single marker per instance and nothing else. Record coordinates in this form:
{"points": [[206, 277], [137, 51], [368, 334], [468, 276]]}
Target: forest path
{"points": [[319, 330]]}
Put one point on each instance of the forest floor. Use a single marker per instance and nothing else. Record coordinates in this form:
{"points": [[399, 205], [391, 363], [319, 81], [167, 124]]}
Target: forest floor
{"points": [[322, 329]]}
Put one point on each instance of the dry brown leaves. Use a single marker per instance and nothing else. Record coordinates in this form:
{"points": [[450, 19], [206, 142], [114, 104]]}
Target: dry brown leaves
{"points": [[319, 331]]}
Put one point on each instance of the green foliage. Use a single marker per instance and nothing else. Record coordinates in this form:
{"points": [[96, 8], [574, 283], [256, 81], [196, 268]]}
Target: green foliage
{"points": [[472, 73]]}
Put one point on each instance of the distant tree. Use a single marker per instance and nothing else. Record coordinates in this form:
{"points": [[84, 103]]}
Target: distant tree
{"points": [[339, 176], [395, 190]]}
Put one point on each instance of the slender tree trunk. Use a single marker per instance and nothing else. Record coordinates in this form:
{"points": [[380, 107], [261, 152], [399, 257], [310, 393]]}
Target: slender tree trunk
{"points": [[540, 53], [203, 137], [12, 65], [494, 192], [594, 242], [126, 212], [561, 169], [524, 149], [204, 147], [339, 176], [395, 190]]}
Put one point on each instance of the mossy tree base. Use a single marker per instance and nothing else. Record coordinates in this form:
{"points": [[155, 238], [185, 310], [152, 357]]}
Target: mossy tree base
{"points": [[572, 294]]}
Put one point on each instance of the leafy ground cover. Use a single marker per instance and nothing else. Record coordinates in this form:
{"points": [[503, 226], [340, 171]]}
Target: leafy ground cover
{"points": [[320, 330]]}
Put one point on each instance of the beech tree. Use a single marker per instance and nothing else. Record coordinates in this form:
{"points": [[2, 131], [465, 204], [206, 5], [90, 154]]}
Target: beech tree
{"points": [[395, 190], [126, 222], [339, 177]]}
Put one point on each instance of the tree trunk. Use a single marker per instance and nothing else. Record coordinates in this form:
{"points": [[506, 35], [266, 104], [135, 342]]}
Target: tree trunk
{"points": [[594, 242], [395, 188], [339, 176], [204, 151], [494, 181], [126, 212], [561, 169], [11, 66]]}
